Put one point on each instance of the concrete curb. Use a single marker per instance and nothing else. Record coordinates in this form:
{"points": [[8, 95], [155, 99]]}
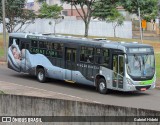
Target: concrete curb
{"points": [[3, 63], [157, 87], [16, 89]]}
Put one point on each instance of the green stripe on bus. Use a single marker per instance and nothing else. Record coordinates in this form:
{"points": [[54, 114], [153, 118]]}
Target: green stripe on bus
{"points": [[147, 82]]}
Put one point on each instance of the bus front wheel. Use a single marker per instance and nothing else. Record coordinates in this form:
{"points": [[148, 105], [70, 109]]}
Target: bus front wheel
{"points": [[102, 86], [41, 75]]}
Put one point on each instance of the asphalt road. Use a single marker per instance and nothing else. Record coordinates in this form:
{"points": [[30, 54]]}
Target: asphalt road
{"points": [[147, 100]]}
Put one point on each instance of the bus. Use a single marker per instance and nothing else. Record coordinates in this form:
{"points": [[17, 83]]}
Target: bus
{"points": [[105, 64]]}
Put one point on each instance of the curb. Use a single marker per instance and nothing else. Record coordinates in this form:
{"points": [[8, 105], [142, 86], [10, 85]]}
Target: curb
{"points": [[157, 87], [3, 63]]}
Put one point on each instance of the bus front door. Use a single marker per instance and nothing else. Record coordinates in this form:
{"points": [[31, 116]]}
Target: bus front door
{"points": [[118, 71], [70, 63]]}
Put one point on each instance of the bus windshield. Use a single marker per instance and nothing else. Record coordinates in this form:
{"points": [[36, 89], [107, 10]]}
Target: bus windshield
{"points": [[141, 65]]}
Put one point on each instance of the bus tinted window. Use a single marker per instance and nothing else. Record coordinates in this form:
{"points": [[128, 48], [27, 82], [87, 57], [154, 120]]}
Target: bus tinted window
{"points": [[87, 54], [42, 44], [98, 57], [34, 43], [57, 48], [105, 55]]}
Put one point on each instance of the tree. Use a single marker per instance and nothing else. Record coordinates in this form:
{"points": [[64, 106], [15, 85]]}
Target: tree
{"points": [[87, 9], [16, 15], [51, 12], [148, 7], [103, 8], [116, 19], [106, 10]]}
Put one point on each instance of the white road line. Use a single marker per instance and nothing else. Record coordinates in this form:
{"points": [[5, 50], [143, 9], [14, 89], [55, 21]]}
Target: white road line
{"points": [[51, 91]]}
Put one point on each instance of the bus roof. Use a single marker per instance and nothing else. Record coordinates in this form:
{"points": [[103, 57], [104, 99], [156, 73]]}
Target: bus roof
{"points": [[78, 40]]}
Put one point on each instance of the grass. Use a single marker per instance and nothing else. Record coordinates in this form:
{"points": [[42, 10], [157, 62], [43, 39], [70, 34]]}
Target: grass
{"points": [[1, 45], [158, 65], [1, 52], [155, 44], [1, 92]]}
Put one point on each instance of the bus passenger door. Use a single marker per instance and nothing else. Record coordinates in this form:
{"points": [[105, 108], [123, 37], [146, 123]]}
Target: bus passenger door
{"points": [[118, 71], [70, 63]]}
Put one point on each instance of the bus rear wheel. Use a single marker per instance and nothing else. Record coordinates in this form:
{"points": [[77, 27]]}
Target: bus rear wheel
{"points": [[41, 75], [102, 88]]}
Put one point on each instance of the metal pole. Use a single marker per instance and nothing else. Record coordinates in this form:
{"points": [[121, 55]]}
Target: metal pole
{"points": [[141, 33], [4, 30]]}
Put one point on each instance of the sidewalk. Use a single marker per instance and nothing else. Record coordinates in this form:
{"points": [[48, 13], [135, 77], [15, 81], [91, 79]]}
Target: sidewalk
{"points": [[2, 61], [15, 89], [147, 35]]}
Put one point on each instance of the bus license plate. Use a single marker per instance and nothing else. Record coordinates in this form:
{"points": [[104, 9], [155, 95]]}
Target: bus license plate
{"points": [[143, 89]]}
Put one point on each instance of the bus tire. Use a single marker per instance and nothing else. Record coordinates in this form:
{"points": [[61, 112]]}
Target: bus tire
{"points": [[41, 75], [102, 88]]}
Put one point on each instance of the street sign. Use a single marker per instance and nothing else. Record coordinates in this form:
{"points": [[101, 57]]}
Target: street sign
{"points": [[144, 24]]}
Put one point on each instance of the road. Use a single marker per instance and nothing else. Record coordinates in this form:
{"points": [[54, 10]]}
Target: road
{"points": [[147, 100]]}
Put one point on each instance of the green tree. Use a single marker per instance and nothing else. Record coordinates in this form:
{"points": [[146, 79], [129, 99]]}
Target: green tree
{"points": [[51, 12], [16, 15], [106, 10], [116, 19], [90, 8], [87, 9], [149, 8]]}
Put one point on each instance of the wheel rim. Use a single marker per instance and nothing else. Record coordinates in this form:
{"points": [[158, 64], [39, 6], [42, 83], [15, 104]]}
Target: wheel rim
{"points": [[102, 86], [40, 76]]}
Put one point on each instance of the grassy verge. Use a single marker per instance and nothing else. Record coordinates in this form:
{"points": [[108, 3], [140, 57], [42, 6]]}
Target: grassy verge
{"points": [[1, 52], [158, 65], [1, 92]]}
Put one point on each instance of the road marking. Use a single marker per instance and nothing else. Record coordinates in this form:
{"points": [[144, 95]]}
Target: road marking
{"points": [[52, 91]]}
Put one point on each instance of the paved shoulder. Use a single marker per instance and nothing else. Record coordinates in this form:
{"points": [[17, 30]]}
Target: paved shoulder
{"points": [[15, 89]]}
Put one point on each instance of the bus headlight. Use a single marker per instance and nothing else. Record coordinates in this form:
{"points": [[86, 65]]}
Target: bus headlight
{"points": [[129, 81]]}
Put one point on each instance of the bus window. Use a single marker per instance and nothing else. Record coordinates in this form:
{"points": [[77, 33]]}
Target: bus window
{"points": [[11, 40], [34, 44], [48, 45], [105, 53], [98, 57], [57, 48], [87, 54], [42, 44], [115, 63], [121, 65]]}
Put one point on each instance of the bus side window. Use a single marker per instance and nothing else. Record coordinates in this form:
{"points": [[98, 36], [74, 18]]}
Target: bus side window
{"points": [[34, 43], [105, 59], [87, 54], [10, 41], [98, 57]]}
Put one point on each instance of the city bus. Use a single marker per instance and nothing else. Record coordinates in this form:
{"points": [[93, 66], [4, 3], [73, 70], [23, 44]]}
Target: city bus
{"points": [[105, 64]]}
